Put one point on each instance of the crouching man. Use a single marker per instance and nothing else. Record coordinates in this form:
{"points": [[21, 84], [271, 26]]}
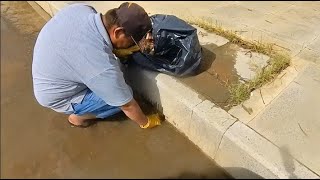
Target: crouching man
{"points": [[75, 71]]}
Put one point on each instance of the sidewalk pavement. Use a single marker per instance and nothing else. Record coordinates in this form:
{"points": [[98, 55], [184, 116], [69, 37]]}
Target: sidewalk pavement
{"points": [[279, 137], [293, 25]]}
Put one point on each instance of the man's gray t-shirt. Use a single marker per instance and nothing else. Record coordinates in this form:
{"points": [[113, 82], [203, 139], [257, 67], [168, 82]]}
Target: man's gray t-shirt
{"points": [[72, 53]]}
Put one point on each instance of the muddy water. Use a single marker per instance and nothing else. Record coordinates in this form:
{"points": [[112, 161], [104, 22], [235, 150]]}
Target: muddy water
{"points": [[39, 143], [221, 67], [215, 73]]}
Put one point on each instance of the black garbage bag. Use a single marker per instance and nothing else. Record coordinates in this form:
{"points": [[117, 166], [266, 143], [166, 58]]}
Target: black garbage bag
{"points": [[177, 50]]}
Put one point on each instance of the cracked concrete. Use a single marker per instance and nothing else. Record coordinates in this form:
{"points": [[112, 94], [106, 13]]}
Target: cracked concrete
{"points": [[223, 135], [296, 107]]}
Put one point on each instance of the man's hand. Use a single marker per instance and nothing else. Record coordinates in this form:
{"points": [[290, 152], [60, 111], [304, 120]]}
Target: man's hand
{"points": [[134, 112], [123, 53], [153, 120]]}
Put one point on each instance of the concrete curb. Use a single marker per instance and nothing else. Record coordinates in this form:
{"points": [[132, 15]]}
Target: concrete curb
{"points": [[241, 151], [237, 148]]}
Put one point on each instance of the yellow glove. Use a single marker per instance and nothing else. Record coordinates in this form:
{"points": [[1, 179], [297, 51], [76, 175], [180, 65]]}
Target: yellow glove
{"points": [[123, 53], [153, 120]]}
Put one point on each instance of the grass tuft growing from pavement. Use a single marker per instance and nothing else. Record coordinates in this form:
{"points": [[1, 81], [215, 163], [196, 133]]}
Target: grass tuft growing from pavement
{"points": [[279, 60]]}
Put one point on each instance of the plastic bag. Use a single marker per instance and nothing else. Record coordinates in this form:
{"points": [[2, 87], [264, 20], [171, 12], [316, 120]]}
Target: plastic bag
{"points": [[177, 50]]}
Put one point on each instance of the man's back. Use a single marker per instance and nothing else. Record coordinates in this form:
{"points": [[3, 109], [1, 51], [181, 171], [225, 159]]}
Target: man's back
{"points": [[73, 53]]}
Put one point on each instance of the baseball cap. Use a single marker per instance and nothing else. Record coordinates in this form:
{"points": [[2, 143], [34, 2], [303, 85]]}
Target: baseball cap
{"points": [[134, 19]]}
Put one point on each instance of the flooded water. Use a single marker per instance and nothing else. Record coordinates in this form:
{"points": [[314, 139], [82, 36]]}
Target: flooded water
{"points": [[39, 143], [216, 72], [221, 67]]}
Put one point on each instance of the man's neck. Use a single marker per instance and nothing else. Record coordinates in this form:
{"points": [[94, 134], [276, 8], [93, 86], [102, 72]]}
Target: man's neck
{"points": [[103, 18]]}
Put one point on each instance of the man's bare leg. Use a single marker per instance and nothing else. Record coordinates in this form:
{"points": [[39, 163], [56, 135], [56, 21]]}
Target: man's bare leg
{"points": [[84, 120]]}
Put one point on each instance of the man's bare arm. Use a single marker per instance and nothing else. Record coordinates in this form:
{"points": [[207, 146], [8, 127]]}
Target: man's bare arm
{"points": [[134, 112]]}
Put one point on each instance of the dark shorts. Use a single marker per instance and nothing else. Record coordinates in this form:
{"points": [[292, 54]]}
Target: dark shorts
{"points": [[92, 104]]}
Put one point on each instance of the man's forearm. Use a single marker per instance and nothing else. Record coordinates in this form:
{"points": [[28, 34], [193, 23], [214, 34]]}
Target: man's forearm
{"points": [[134, 112]]}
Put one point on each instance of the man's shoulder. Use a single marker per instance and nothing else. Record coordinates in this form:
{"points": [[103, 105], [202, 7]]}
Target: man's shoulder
{"points": [[78, 8]]}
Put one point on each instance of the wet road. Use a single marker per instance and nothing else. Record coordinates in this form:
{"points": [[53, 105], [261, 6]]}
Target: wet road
{"points": [[39, 143]]}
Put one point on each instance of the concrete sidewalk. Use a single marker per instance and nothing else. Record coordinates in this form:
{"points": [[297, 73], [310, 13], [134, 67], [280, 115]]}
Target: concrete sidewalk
{"points": [[293, 25], [278, 137]]}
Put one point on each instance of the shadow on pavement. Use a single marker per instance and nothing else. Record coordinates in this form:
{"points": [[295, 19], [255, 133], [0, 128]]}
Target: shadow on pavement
{"points": [[288, 162], [208, 57], [240, 173]]}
